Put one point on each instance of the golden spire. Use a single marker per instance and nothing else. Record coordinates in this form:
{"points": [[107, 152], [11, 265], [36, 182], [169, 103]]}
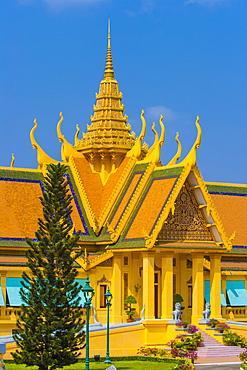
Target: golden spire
{"points": [[109, 137], [109, 66]]}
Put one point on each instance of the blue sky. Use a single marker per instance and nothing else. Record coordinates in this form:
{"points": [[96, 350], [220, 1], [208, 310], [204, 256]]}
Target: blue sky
{"points": [[180, 58]]}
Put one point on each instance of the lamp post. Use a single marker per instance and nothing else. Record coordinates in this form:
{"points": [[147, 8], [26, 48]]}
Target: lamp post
{"points": [[108, 297], [88, 292]]}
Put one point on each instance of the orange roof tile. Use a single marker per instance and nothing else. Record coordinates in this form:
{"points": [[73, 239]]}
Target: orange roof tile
{"points": [[151, 207], [92, 184], [232, 210], [19, 208], [125, 200], [112, 181]]}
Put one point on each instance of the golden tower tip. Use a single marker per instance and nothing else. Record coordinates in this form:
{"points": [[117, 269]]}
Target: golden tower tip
{"points": [[109, 66]]}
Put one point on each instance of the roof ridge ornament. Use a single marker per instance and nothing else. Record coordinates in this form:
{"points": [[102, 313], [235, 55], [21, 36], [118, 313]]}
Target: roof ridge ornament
{"points": [[12, 160], [191, 156], [154, 156], [67, 149], [136, 150], [156, 138], [179, 151], [42, 157], [76, 139]]}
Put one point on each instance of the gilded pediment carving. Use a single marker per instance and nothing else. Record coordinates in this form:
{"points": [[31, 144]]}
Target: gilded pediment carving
{"points": [[187, 222]]}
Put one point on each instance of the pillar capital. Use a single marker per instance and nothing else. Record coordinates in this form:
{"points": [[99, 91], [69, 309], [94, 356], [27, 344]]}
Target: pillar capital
{"points": [[168, 254], [184, 256], [197, 254]]}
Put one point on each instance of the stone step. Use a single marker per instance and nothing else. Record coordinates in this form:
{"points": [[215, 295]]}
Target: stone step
{"points": [[212, 348], [219, 352]]}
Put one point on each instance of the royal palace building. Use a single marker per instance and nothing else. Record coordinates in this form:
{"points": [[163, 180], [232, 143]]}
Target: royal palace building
{"points": [[148, 229]]}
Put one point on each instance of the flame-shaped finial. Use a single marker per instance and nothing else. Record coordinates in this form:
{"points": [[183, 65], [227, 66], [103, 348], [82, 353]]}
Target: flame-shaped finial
{"points": [[109, 66]]}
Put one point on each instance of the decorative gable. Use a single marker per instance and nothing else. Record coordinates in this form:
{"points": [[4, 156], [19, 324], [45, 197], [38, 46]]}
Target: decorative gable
{"points": [[187, 222]]}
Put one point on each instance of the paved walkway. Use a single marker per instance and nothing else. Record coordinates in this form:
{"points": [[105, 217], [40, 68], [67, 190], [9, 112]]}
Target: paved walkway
{"points": [[230, 366], [218, 363]]}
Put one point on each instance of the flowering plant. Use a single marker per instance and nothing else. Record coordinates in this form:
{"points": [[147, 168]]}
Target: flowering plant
{"points": [[192, 355], [183, 324], [185, 365], [192, 328], [213, 322], [243, 357], [222, 327]]}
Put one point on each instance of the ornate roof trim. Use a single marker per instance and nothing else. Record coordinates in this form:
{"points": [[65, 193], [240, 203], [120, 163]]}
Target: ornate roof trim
{"points": [[170, 206], [115, 234], [89, 264], [116, 192], [214, 220], [83, 195], [42, 157], [67, 149]]}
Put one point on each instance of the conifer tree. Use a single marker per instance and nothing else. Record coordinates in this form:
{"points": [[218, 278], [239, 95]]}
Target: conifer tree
{"points": [[50, 325]]}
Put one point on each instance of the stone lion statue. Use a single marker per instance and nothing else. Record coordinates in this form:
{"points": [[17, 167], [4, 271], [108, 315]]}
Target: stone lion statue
{"points": [[207, 312], [177, 312]]}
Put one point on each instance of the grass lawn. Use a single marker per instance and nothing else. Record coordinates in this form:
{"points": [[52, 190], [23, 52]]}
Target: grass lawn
{"points": [[120, 365]]}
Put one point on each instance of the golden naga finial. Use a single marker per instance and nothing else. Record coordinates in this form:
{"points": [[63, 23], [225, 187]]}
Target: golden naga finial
{"points": [[137, 148], [67, 149], [191, 156], [154, 156], [42, 157], [179, 151], [12, 160], [76, 139], [109, 66], [156, 138]]}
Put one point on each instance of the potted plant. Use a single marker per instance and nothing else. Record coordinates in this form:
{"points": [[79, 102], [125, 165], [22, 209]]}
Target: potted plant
{"points": [[130, 310], [213, 323], [222, 327], [177, 298]]}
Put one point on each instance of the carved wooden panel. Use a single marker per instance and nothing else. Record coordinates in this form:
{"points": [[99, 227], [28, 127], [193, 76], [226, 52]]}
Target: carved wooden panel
{"points": [[188, 222]]}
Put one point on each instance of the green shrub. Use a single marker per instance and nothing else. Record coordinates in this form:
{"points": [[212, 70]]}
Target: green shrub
{"points": [[184, 365], [129, 301], [152, 351], [213, 323], [233, 339], [243, 356]]}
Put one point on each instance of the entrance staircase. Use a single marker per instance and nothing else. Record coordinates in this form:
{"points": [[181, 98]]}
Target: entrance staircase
{"points": [[210, 347]]}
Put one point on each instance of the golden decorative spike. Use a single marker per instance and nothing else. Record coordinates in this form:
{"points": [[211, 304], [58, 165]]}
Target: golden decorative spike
{"points": [[76, 140], [191, 156], [12, 160], [156, 138], [137, 148], [178, 154], [154, 156], [42, 157], [67, 149]]}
